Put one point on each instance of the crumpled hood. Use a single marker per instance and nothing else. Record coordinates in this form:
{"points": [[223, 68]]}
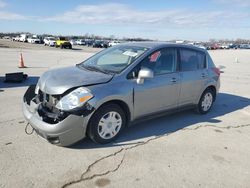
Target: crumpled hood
{"points": [[57, 81]]}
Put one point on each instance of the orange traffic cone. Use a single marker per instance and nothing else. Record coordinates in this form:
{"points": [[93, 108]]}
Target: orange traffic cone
{"points": [[21, 62]]}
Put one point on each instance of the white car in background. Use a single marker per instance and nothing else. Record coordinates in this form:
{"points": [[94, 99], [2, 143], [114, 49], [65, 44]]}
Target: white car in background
{"points": [[225, 46], [17, 38], [113, 43], [23, 38], [73, 42], [80, 42], [7, 37], [34, 39], [49, 41]]}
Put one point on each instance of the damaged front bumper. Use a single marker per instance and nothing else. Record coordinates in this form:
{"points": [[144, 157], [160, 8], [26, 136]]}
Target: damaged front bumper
{"points": [[67, 128]]}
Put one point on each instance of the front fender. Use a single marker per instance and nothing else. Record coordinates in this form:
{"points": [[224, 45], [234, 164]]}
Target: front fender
{"points": [[104, 93]]}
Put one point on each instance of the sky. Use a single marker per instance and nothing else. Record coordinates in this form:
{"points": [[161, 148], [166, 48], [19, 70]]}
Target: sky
{"points": [[158, 19]]}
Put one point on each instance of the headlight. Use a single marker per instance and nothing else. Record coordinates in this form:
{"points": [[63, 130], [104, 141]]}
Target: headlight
{"points": [[74, 99]]}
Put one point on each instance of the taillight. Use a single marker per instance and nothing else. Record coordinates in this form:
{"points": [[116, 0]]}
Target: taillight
{"points": [[216, 70]]}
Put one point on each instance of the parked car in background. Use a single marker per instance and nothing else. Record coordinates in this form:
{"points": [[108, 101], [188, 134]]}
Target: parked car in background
{"points": [[73, 42], [113, 43], [224, 46], [67, 104], [17, 38], [23, 38], [33, 39], [97, 44], [63, 42], [89, 42], [49, 41], [214, 47], [6, 37], [80, 42], [104, 44], [233, 46], [244, 46]]}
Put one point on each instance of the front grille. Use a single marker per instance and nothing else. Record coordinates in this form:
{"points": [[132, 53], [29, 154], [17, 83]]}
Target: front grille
{"points": [[47, 109], [49, 101]]}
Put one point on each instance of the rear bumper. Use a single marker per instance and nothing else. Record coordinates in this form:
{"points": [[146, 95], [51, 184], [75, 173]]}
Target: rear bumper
{"points": [[64, 45], [64, 133]]}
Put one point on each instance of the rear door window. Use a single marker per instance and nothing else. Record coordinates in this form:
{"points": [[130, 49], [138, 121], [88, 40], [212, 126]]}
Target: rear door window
{"points": [[191, 60]]}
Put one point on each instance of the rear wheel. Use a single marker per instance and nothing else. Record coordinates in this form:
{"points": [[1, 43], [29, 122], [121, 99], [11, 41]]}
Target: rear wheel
{"points": [[206, 101], [106, 124]]}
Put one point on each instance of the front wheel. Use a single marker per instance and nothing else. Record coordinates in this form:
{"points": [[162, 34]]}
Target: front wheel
{"points": [[206, 101], [106, 124]]}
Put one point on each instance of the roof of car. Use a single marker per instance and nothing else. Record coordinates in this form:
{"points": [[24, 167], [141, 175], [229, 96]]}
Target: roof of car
{"points": [[161, 44]]}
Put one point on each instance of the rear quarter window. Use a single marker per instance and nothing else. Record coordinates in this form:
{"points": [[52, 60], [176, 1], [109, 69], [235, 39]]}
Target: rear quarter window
{"points": [[210, 62]]}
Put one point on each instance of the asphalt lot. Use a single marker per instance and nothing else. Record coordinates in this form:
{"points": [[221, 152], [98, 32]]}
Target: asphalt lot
{"points": [[180, 150]]}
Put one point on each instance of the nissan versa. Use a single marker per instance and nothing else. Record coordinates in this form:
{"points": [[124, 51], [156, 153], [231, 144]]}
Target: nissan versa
{"points": [[103, 94]]}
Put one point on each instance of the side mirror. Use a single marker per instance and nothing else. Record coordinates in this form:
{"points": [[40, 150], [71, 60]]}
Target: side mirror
{"points": [[143, 74]]}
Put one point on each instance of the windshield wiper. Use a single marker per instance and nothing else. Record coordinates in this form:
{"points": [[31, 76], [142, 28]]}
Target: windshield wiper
{"points": [[97, 69]]}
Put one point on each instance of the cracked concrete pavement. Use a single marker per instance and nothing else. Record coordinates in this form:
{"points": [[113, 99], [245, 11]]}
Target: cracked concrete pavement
{"points": [[180, 150], [101, 162]]}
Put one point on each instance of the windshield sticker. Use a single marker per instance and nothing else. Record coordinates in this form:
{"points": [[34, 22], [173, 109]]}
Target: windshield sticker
{"points": [[131, 54], [155, 56]]}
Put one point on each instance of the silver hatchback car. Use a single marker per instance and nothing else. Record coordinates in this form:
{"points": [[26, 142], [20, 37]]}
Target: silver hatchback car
{"points": [[116, 86]]}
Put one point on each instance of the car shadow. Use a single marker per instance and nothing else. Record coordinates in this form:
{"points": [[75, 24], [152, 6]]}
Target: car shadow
{"points": [[31, 80], [225, 104], [79, 49]]}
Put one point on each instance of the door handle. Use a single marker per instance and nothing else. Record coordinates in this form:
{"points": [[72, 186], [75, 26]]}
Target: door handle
{"points": [[203, 75], [174, 80]]}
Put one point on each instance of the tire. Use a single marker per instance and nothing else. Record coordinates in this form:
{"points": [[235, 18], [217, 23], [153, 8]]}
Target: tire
{"points": [[61, 46], [206, 101], [106, 124]]}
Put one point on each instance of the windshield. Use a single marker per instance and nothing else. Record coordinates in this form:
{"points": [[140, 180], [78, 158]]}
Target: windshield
{"points": [[62, 38], [114, 59]]}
